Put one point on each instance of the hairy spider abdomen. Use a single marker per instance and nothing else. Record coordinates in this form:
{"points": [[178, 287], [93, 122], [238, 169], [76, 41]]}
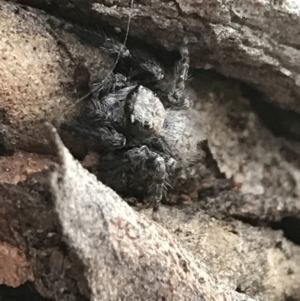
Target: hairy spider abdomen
{"points": [[145, 114]]}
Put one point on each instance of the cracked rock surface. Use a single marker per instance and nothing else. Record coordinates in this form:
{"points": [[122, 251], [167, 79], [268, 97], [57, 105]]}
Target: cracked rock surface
{"points": [[231, 226], [256, 41]]}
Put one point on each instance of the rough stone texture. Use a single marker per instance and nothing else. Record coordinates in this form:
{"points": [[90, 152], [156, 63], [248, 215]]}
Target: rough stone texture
{"points": [[36, 74], [243, 149], [244, 171], [254, 40], [30, 225], [20, 165], [231, 255], [216, 243], [117, 245], [134, 258], [266, 168], [14, 268]]}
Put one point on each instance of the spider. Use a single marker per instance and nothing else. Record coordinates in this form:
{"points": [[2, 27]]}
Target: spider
{"points": [[138, 128]]}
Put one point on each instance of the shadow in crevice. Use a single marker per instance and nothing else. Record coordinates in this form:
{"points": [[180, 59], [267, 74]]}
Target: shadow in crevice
{"points": [[24, 292], [4, 151], [281, 122], [290, 226], [291, 298]]}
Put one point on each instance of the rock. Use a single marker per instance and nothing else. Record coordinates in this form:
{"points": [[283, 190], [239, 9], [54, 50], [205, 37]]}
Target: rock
{"points": [[80, 239], [254, 41]]}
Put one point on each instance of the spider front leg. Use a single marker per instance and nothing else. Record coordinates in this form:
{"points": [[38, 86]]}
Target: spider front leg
{"points": [[101, 87], [148, 163], [181, 71], [153, 71], [144, 164], [154, 164], [159, 177], [176, 98], [98, 137], [141, 67], [97, 38]]}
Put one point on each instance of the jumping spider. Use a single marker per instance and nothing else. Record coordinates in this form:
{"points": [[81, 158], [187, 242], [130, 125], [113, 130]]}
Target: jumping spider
{"points": [[138, 129]]}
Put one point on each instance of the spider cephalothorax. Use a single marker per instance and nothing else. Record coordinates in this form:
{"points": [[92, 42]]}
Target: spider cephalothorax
{"points": [[139, 129]]}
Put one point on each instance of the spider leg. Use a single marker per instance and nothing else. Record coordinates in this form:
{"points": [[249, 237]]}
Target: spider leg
{"points": [[107, 112], [98, 136], [154, 163], [181, 72], [97, 38], [141, 66], [161, 145], [110, 84], [148, 64], [176, 98], [147, 162]]}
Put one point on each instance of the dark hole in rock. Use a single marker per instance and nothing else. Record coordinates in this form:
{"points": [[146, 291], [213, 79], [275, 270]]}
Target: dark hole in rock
{"points": [[24, 292], [290, 225], [239, 289], [4, 151], [291, 228], [290, 298], [281, 122]]}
